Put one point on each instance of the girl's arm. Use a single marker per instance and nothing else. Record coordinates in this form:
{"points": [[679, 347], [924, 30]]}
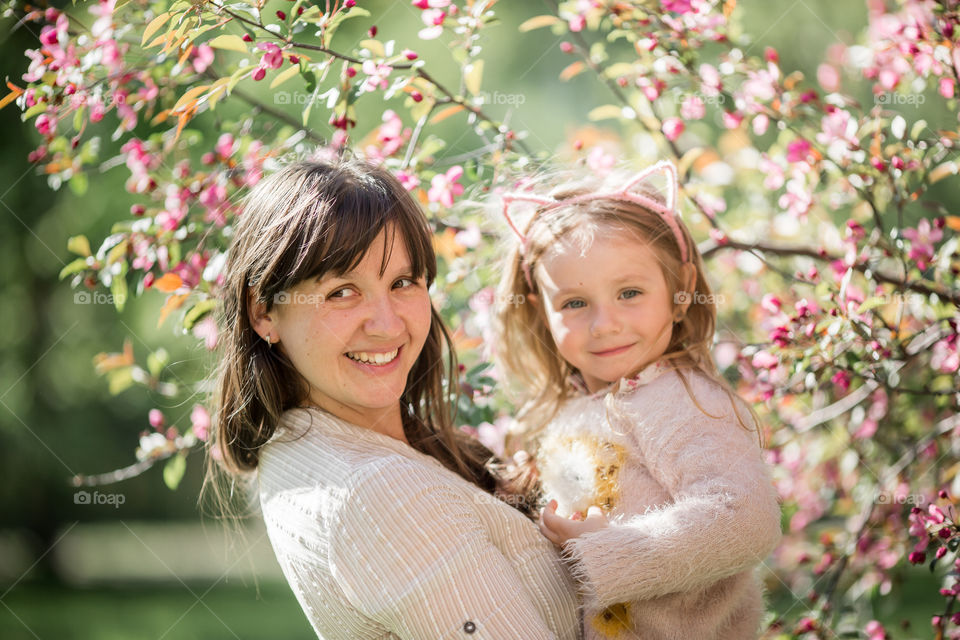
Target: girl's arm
{"points": [[413, 556], [724, 517]]}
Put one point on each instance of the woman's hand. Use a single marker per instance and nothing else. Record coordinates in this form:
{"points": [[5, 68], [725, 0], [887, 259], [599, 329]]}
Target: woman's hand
{"points": [[558, 529]]}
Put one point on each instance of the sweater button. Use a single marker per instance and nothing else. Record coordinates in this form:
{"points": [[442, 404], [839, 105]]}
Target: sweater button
{"points": [[469, 627]]}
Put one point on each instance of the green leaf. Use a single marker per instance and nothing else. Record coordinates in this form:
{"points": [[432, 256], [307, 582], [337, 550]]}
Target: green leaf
{"points": [[79, 184], [198, 311], [74, 267], [157, 360], [119, 380], [79, 245], [173, 471], [118, 287]]}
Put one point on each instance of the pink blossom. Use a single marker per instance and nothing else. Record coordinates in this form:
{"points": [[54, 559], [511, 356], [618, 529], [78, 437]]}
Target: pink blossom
{"points": [[272, 57], [829, 77], [103, 26], [155, 417], [732, 119], [410, 181], [377, 74], [224, 146], [772, 171], [764, 360], [692, 108], [200, 422], [760, 123], [946, 87], [45, 124], [797, 199], [577, 23], [444, 186], [206, 330], [469, 237], [922, 240], [672, 128], [202, 58], [945, 357], [37, 67], [677, 6], [599, 161], [798, 150], [875, 631], [433, 18]]}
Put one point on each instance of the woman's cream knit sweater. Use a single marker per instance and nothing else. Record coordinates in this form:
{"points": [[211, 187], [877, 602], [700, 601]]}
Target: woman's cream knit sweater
{"points": [[692, 507], [378, 540]]}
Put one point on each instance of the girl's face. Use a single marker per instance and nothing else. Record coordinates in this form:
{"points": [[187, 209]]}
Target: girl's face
{"points": [[608, 307], [356, 337]]}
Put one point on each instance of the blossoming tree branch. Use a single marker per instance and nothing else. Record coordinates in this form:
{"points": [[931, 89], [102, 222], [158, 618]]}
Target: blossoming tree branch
{"points": [[828, 222]]}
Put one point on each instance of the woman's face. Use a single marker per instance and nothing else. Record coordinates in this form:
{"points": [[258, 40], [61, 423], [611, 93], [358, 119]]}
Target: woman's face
{"points": [[355, 337]]}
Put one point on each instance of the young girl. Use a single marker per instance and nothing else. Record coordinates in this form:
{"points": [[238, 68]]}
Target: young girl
{"points": [[657, 490]]}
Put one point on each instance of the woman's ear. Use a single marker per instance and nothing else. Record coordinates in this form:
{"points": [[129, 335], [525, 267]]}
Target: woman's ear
{"points": [[262, 321], [533, 299]]}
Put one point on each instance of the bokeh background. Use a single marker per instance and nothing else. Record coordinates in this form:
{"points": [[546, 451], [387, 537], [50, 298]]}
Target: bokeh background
{"points": [[141, 561]]}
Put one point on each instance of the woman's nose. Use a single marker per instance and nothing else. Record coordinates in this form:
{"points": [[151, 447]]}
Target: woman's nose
{"points": [[382, 319]]}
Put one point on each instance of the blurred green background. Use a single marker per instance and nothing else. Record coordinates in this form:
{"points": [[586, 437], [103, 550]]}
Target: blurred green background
{"points": [[152, 567]]}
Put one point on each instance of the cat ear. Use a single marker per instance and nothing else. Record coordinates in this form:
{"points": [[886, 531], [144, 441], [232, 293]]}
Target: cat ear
{"points": [[509, 199], [665, 168]]}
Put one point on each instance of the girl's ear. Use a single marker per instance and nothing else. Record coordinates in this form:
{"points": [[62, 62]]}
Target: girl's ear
{"points": [[533, 299], [262, 321]]}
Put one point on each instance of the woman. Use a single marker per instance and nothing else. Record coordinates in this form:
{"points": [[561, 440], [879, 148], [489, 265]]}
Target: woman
{"points": [[333, 387]]}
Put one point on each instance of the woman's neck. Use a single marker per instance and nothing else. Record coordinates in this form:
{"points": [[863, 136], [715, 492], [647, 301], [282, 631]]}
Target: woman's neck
{"points": [[386, 420]]}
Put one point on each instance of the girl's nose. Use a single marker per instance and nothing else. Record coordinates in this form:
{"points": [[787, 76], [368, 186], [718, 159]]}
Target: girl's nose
{"points": [[604, 322]]}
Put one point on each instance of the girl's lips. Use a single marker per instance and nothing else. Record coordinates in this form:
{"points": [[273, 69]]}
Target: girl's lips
{"points": [[612, 352]]}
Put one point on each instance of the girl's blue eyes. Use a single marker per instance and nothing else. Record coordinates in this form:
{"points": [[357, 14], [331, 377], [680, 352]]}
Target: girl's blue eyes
{"points": [[579, 304]]}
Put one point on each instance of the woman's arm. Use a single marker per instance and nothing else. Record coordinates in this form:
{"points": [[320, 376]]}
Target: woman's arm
{"points": [[413, 556], [724, 517]]}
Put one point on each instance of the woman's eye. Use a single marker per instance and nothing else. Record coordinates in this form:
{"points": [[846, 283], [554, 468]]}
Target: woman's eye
{"points": [[631, 293], [346, 292], [404, 282], [573, 304]]}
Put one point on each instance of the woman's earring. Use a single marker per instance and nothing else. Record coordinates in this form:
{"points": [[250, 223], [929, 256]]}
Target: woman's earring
{"points": [[269, 339]]}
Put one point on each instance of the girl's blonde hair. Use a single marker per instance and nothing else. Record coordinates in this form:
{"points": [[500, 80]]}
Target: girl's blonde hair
{"points": [[305, 220], [526, 349]]}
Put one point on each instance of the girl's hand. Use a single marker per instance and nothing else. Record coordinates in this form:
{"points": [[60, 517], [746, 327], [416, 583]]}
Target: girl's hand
{"points": [[558, 530]]}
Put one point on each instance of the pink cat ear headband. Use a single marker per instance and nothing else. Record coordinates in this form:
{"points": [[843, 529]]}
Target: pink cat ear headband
{"points": [[668, 212]]}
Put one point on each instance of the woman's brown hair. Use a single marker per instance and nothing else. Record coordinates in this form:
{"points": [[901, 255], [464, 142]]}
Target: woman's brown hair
{"points": [[305, 220]]}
